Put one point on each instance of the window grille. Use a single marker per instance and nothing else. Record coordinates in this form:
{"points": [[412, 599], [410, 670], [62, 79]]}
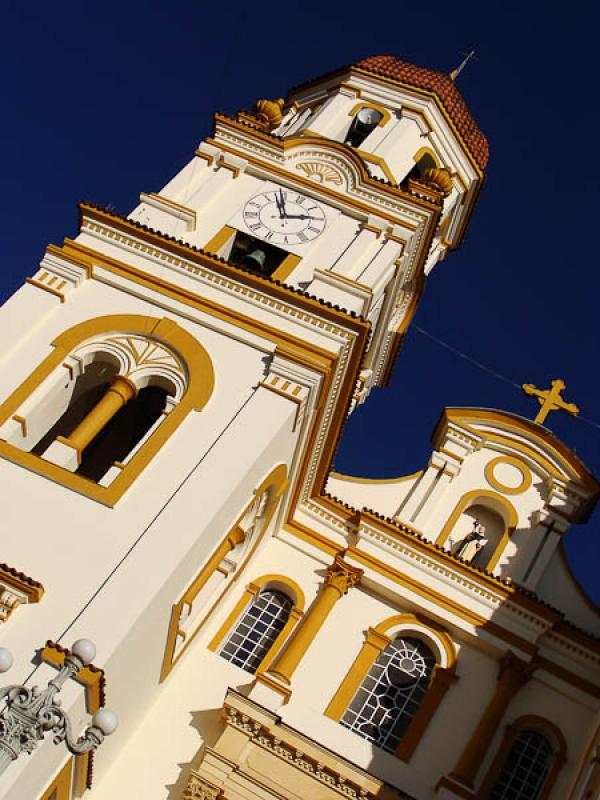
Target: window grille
{"points": [[257, 629], [391, 693], [525, 769]]}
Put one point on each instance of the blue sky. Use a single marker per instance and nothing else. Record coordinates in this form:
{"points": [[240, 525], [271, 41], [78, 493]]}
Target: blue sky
{"points": [[104, 100]]}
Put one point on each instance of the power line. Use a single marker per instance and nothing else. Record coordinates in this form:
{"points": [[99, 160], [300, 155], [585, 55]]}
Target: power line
{"points": [[484, 368]]}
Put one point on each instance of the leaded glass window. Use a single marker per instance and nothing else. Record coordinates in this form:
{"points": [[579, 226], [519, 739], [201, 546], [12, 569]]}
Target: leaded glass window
{"points": [[391, 693], [525, 770], [257, 629]]}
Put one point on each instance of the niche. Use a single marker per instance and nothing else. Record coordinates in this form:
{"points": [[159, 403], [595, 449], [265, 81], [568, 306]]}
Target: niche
{"points": [[492, 527]]}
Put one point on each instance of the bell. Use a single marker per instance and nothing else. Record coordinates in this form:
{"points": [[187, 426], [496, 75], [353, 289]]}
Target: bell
{"points": [[255, 260]]}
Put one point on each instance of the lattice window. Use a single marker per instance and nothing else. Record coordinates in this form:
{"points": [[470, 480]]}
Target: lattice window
{"points": [[257, 629], [391, 693], [525, 770]]}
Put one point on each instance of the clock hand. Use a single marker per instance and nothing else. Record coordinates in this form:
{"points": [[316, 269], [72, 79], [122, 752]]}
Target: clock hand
{"points": [[280, 206], [282, 203]]}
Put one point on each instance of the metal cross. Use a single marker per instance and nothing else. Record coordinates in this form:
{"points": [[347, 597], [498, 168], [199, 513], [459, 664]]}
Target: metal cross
{"points": [[550, 400]]}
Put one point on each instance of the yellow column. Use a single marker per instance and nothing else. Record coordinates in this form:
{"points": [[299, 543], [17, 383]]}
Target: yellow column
{"points": [[513, 674], [119, 393], [340, 578]]}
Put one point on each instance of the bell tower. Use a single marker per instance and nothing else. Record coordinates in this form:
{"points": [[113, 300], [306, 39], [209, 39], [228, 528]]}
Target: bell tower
{"points": [[175, 388]]}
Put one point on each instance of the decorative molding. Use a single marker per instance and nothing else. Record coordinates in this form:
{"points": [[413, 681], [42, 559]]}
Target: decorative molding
{"points": [[16, 588], [320, 172], [198, 788], [289, 753]]}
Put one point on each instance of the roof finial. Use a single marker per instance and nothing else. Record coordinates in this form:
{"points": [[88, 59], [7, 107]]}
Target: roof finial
{"points": [[456, 72]]}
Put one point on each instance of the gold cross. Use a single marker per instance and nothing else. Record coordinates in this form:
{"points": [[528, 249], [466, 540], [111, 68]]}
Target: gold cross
{"points": [[550, 400]]}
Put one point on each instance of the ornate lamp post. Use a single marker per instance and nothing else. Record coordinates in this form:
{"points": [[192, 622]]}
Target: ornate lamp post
{"points": [[30, 713]]}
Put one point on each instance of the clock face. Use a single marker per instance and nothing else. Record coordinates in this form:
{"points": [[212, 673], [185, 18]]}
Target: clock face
{"points": [[284, 217]]}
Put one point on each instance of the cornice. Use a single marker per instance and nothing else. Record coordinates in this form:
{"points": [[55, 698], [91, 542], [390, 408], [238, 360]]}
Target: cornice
{"points": [[32, 589], [265, 284]]}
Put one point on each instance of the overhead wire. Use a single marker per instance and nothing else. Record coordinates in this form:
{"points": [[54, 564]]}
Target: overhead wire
{"points": [[485, 368]]}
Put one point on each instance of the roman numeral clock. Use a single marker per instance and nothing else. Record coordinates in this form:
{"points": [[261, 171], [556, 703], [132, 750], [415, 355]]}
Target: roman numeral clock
{"points": [[275, 223]]}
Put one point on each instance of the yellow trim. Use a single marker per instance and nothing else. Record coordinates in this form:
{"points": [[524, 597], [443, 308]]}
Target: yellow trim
{"points": [[46, 288], [528, 722], [277, 482], [90, 677], [432, 95], [220, 239], [354, 479], [287, 266], [298, 350], [301, 141], [515, 462], [419, 623], [426, 151], [472, 498], [565, 456], [386, 116], [375, 642], [60, 788], [208, 158], [33, 590], [250, 592], [200, 387]]}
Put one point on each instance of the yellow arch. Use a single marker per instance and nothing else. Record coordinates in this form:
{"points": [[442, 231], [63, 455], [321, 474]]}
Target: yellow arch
{"points": [[419, 623], [426, 151], [385, 114], [199, 389], [250, 592], [508, 513], [512, 731]]}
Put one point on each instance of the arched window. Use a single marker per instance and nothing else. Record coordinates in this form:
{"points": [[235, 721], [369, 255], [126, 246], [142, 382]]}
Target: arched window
{"points": [[525, 770], [104, 401], [391, 693], [257, 629]]}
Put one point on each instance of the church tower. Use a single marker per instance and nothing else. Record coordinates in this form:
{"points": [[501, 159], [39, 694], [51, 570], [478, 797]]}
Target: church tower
{"points": [[176, 387]]}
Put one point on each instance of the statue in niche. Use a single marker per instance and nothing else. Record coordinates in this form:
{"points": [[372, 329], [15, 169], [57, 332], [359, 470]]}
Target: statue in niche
{"points": [[472, 543]]}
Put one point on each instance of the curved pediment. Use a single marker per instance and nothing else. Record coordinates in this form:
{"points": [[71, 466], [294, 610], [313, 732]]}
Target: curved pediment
{"points": [[533, 442]]}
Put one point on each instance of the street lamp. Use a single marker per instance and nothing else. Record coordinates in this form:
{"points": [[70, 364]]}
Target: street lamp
{"points": [[30, 713]]}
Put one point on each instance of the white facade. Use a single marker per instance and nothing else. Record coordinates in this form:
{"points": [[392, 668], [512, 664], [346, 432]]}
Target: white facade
{"points": [[155, 538]]}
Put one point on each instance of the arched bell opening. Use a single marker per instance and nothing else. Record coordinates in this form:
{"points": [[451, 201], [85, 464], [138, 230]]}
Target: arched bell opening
{"points": [[86, 391]]}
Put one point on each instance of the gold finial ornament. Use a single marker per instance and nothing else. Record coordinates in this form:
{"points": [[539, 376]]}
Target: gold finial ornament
{"points": [[266, 114], [550, 400], [438, 178], [269, 112]]}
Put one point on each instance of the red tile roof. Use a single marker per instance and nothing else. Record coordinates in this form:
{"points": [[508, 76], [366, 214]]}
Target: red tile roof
{"points": [[446, 91]]}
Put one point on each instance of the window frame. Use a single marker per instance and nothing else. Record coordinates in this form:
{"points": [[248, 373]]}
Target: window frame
{"points": [[198, 391], [442, 675], [537, 724], [275, 582]]}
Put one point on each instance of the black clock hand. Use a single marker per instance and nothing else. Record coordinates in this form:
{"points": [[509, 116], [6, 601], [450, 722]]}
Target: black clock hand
{"points": [[281, 204]]}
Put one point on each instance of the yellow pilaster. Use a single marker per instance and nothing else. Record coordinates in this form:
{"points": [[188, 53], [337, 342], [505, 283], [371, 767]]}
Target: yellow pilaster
{"points": [[512, 675], [341, 577]]}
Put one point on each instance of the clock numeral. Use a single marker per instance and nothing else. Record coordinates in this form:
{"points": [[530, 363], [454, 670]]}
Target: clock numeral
{"points": [[300, 199], [251, 213], [315, 230], [285, 239], [253, 203], [269, 236], [302, 237], [254, 226]]}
